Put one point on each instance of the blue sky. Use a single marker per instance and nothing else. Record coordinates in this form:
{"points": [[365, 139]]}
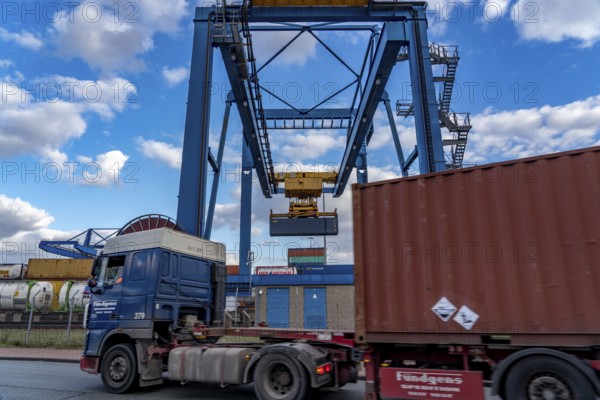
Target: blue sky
{"points": [[94, 92]]}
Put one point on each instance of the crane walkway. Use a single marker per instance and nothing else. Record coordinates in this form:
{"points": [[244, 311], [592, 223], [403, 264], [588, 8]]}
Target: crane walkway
{"points": [[457, 124]]}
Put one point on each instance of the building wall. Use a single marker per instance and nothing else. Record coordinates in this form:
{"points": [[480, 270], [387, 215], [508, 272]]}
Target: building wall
{"points": [[340, 306]]}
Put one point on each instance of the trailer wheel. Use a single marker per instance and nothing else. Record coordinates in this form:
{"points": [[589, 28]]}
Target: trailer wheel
{"points": [[543, 377], [119, 369], [278, 377]]}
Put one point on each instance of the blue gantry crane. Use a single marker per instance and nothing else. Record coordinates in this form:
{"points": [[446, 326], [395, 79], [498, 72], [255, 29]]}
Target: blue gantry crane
{"points": [[83, 245], [398, 32]]}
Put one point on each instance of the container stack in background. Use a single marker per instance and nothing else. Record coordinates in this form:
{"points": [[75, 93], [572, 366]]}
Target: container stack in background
{"points": [[306, 256], [44, 284]]}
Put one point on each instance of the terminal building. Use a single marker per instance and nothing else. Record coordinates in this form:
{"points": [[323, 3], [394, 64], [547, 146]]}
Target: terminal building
{"points": [[305, 294]]}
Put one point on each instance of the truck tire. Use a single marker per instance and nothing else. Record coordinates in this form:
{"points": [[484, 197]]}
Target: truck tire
{"points": [[545, 377], [119, 369], [279, 377]]}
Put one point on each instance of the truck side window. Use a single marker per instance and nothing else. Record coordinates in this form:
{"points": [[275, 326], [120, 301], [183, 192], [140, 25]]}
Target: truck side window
{"points": [[114, 270], [174, 263], [138, 266], [164, 264]]}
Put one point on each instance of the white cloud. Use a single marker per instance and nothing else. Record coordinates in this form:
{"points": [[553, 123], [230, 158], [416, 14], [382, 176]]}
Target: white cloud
{"points": [[23, 39], [105, 97], [161, 151], [42, 123], [20, 216], [266, 44], [23, 227], [6, 63], [110, 43], [39, 128], [227, 215], [306, 146], [542, 130], [174, 76], [104, 170], [556, 20], [495, 9]]}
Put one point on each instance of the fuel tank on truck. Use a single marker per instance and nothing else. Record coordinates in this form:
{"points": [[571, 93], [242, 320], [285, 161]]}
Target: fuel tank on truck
{"points": [[500, 253], [208, 365]]}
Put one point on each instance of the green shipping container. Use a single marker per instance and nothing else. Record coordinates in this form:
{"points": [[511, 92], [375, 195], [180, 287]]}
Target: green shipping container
{"points": [[307, 260]]}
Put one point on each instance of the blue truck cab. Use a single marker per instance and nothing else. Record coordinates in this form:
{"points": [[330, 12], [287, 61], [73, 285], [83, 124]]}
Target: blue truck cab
{"points": [[149, 288]]}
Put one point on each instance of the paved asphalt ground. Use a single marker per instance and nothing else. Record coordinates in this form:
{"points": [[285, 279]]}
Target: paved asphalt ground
{"points": [[54, 374]]}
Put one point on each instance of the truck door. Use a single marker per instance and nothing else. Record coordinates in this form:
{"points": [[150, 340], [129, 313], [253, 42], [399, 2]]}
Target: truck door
{"points": [[136, 287], [105, 307]]}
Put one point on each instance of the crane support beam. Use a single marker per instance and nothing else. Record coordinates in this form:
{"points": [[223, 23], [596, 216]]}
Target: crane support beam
{"points": [[378, 12], [192, 185], [216, 164], [395, 136], [246, 212], [235, 65], [392, 37], [427, 125], [324, 118], [296, 3]]}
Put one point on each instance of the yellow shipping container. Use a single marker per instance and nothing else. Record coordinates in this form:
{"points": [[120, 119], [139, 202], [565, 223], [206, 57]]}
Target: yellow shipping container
{"points": [[59, 268]]}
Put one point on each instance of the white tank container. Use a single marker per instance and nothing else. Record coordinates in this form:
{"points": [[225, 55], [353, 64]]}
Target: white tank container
{"points": [[13, 296], [40, 295], [12, 272], [75, 290]]}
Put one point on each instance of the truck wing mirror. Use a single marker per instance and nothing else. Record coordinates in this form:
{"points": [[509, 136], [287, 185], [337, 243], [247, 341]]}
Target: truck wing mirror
{"points": [[97, 290]]}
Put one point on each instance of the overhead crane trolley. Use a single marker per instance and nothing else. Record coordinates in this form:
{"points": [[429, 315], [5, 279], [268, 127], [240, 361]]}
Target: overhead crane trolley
{"points": [[303, 217]]}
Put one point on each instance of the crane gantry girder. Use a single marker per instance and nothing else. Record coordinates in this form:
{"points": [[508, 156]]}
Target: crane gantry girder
{"points": [[392, 37], [227, 27]]}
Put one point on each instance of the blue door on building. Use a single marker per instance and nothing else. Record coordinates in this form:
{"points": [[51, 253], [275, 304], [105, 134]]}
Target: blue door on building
{"points": [[278, 307], [315, 308]]}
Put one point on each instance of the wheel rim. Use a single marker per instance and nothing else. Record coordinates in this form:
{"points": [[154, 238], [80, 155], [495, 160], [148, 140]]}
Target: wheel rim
{"points": [[118, 368], [279, 381], [548, 387]]}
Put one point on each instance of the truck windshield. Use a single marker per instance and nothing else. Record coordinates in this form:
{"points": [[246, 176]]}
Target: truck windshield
{"points": [[111, 270]]}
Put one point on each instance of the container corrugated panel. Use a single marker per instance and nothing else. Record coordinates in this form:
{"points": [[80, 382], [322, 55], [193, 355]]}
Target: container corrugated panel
{"points": [[59, 268], [233, 270], [307, 252], [464, 256], [333, 269], [306, 260]]}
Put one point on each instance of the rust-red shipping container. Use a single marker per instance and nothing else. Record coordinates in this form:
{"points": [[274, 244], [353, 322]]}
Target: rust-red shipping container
{"points": [[501, 253], [306, 252], [233, 269]]}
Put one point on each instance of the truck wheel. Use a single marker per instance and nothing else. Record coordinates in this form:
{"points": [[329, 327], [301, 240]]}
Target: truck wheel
{"points": [[544, 377], [119, 369], [278, 377]]}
